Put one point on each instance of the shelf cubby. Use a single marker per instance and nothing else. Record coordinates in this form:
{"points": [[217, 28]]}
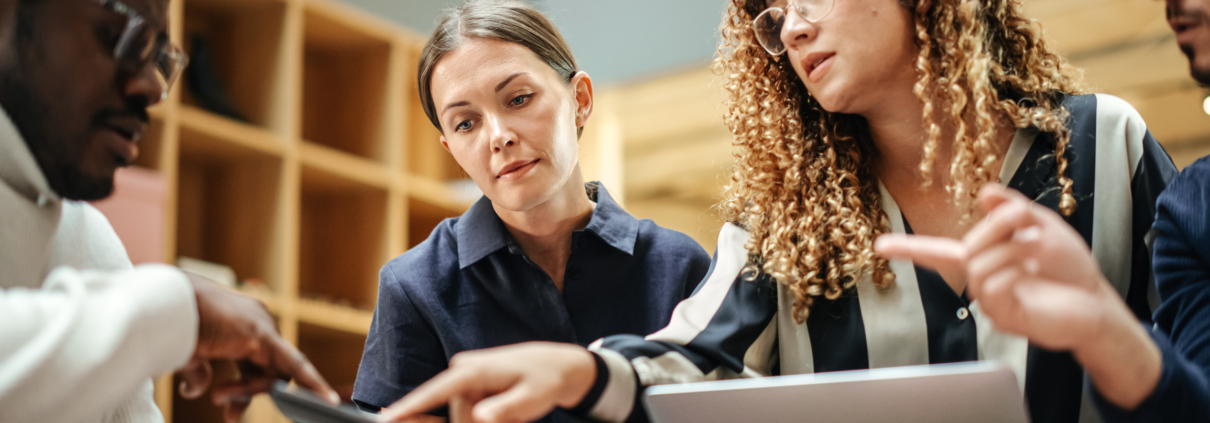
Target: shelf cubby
{"points": [[336, 355], [344, 165], [247, 60], [423, 216], [342, 239], [228, 206], [345, 87], [429, 202]]}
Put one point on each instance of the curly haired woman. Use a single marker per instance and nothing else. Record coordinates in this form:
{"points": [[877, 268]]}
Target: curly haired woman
{"points": [[855, 118]]}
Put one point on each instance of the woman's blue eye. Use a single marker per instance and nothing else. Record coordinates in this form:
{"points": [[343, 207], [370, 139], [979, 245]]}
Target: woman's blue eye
{"points": [[519, 100], [464, 125]]}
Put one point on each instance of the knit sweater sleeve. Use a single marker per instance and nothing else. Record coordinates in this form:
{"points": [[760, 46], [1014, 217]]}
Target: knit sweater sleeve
{"points": [[87, 340]]}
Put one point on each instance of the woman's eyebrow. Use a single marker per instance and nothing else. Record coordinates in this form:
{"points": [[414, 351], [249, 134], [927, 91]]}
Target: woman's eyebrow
{"points": [[509, 79], [452, 105]]}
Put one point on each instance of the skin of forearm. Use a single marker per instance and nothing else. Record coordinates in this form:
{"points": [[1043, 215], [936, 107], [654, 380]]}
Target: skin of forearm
{"points": [[1121, 359]]}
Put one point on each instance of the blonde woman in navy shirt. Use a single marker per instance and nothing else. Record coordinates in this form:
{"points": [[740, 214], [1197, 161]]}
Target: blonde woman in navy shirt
{"points": [[543, 256], [853, 119]]}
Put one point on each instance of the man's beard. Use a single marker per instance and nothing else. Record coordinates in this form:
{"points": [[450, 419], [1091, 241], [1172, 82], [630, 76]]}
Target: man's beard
{"points": [[32, 117]]}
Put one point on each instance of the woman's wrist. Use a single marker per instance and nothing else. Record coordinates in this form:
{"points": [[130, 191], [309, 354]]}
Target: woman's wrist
{"points": [[1120, 357], [579, 377]]}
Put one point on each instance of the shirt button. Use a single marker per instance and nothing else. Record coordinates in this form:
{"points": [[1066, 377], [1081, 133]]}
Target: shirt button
{"points": [[582, 241], [962, 313], [574, 274]]}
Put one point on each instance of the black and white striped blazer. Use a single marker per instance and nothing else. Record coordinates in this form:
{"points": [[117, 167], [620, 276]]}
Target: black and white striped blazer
{"points": [[734, 328]]}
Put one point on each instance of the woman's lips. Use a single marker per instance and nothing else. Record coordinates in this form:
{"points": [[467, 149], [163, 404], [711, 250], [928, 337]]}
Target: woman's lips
{"points": [[819, 68], [516, 170]]}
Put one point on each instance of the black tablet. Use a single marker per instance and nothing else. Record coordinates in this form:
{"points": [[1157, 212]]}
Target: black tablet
{"points": [[302, 406]]}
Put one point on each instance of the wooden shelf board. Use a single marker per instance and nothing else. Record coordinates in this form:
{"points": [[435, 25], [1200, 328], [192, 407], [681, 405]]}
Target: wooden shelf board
{"points": [[333, 316], [232, 136], [434, 192], [344, 165]]}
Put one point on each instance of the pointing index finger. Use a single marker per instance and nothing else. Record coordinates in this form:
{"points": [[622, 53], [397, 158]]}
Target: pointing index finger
{"points": [[432, 394], [293, 364], [942, 254]]}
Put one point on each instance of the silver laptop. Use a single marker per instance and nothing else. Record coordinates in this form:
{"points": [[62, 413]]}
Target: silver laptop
{"points": [[959, 392]]}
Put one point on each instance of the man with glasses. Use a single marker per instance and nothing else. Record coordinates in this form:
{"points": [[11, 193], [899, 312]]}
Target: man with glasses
{"points": [[81, 330]]}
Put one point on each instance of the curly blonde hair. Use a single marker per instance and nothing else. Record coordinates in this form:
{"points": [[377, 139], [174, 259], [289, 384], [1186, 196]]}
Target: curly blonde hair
{"points": [[803, 183]]}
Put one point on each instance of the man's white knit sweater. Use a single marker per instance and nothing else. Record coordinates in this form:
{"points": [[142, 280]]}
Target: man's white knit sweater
{"points": [[81, 330]]}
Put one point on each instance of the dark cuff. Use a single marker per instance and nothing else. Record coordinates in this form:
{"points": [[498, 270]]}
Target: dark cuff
{"points": [[598, 387]]}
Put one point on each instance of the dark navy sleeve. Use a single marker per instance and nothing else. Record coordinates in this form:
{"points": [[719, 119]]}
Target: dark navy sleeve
{"points": [[1182, 275], [402, 350]]}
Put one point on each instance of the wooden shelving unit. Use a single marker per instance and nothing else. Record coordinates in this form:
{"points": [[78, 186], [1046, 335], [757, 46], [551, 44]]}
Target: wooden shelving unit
{"points": [[332, 171]]}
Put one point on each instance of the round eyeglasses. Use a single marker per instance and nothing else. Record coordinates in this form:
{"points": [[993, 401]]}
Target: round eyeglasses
{"points": [[768, 24], [139, 45]]}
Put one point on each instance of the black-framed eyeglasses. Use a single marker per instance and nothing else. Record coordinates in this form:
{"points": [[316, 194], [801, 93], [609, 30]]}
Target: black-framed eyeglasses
{"points": [[768, 24], [140, 44]]}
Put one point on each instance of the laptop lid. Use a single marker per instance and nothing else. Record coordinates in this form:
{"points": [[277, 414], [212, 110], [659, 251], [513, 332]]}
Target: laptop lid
{"points": [[958, 392]]}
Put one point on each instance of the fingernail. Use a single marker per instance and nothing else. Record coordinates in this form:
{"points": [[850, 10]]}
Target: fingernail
{"points": [[333, 397], [880, 243]]}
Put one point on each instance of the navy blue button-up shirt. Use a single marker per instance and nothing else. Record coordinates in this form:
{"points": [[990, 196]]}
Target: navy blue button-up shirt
{"points": [[470, 286]]}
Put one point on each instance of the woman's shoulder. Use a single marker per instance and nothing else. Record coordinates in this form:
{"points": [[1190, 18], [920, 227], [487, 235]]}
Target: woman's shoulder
{"points": [[1100, 112], [1109, 128], [657, 240], [431, 260]]}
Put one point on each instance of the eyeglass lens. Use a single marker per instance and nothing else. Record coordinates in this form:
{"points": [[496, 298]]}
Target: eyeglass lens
{"points": [[768, 24], [145, 46]]}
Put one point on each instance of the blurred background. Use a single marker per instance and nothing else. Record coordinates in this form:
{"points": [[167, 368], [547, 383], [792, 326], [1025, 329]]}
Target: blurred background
{"points": [[294, 161]]}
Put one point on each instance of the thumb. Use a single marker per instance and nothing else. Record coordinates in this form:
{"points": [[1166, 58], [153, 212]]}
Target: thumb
{"points": [[195, 378]]}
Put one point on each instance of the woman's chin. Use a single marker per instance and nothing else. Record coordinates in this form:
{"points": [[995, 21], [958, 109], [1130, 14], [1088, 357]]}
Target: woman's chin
{"points": [[517, 198]]}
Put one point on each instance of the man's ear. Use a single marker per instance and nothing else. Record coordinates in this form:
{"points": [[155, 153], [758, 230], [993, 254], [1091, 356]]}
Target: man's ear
{"points": [[581, 86]]}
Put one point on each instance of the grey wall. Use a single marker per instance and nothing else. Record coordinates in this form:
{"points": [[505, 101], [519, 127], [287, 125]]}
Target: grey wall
{"points": [[616, 41]]}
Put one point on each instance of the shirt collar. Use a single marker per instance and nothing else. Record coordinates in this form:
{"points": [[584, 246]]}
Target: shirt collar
{"points": [[610, 222], [18, 168], [480, 231]]}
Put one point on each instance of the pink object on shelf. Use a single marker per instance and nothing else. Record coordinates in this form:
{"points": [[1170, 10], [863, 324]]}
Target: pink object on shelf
{"points": [[136, 210]]}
